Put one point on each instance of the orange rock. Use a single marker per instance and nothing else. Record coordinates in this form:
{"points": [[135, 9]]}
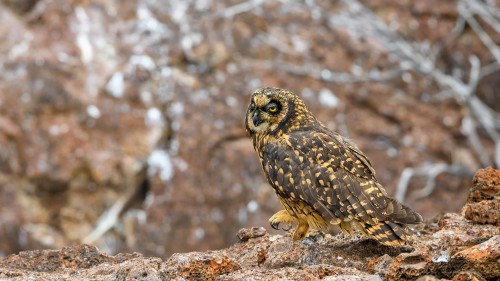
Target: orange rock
{"points": [[485, 212], [200, 266], [482, 258], [409, 266], [483, 202], [467, 276], [485, 185]]}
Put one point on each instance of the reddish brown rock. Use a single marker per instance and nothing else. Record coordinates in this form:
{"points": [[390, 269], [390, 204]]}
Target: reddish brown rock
{"points": [[467, 276], [249, 233], [278, 257], [483, 202], [428, 278], [456, 248], [380, 265], [483, 258], [84, 256], [485, 212], [198, 266], [79, 262], [485, 185], [409, 266]]}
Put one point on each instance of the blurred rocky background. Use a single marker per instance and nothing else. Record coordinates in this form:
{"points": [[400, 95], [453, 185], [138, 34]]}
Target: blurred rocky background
{"points": [[121, 122]]}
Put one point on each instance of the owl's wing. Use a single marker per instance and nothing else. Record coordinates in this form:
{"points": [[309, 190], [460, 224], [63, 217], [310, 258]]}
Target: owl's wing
{"points": [[333, 177]]}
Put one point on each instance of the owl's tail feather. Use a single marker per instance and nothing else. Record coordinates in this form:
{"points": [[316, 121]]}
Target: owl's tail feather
{"points": [[389, 233], [401, 213]]}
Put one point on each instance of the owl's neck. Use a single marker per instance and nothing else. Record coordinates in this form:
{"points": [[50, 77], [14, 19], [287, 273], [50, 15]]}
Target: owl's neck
{"points": [[260, 140]]}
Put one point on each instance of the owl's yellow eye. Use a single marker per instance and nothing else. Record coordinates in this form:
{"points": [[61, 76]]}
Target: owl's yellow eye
{"points": [[272, 108]]}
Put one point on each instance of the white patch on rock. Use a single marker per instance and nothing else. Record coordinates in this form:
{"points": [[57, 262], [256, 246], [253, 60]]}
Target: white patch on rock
{"points": [[83, 35], [326, 74], [444, 257], [356, 70], [307, 94], [160, 162], [143, 61], [154, 117], [300, 45], [392, 152], [191, 40], [231, 101], [93, 111], [252, 206], [328, 98], [116, 85], [199, 233], [22, 47], [56, 130], [177, 108]]}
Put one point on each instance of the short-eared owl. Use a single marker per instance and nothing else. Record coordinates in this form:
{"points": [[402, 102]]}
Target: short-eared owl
{"points": [[322, 180]]}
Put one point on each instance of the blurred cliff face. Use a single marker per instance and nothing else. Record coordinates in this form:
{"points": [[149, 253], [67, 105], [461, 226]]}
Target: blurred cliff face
{"points": [[121, 122]]}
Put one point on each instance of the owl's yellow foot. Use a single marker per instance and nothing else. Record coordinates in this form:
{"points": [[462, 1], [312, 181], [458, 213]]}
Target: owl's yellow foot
{"points": [[301, 230], [280, 217]]}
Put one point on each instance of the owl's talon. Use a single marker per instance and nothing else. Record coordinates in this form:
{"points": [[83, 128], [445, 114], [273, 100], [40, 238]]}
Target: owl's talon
{"points": [[275, 225], [279, 217]]}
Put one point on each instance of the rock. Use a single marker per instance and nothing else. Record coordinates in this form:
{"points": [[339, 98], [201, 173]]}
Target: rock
{"points": [[483, 202], [20, 6], [427, 278], [454, 229], [199, 266], [468, 276], [244, 234], [285, 273], [485, 212], [92, 89], [277, 257], [461, 248], [354, 278], [84, 256], [485, 185], [380, 265], [409, 266], [483, 258], [79, 263]]}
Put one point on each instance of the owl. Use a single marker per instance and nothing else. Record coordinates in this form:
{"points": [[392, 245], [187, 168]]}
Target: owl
{"points": [[322, 180]]}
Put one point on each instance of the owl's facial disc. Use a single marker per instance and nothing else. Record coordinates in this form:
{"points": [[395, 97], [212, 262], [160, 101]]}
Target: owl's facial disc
{"points": [[264, 113]]}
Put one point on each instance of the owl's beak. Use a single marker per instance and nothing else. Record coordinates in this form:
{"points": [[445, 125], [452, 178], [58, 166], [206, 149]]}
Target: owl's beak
{"points": [[256, 118]]}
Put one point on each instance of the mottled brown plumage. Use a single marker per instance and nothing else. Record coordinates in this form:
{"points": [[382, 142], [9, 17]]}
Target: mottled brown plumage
{"points": [[322, 180]]}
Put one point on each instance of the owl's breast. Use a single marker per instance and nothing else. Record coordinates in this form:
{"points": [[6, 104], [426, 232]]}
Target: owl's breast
{"points": [[283, 172]]}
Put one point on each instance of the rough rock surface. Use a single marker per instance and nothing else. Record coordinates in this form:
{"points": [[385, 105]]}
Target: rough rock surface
{"points": [[94, 92], [484, 197], [454, 248]]}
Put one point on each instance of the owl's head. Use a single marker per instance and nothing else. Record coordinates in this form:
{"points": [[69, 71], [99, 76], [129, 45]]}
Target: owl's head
{"points": [[272, 110]]}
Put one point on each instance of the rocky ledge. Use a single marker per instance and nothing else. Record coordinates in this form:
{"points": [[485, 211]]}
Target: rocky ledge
{"points": [[454, 246]]}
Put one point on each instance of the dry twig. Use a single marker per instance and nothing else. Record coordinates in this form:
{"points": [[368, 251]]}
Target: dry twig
{"points": [[431, 172], [413, 56]]}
